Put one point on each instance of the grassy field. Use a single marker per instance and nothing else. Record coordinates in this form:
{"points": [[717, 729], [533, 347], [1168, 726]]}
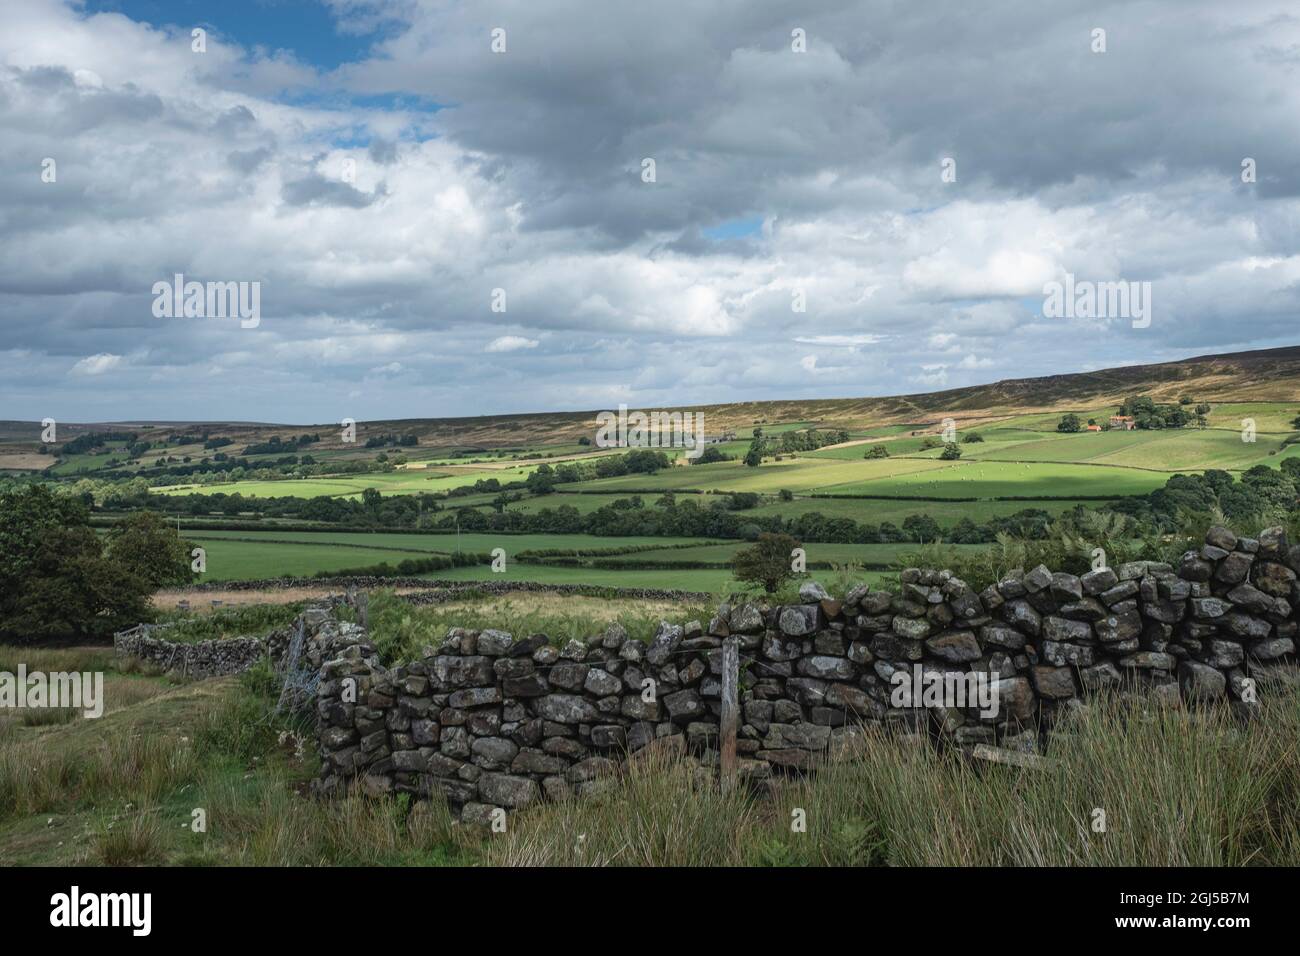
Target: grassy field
{"points": [[401, 482], [1021, 456], [995, 479], [867, 511], [241, 555], [1021, 463]]}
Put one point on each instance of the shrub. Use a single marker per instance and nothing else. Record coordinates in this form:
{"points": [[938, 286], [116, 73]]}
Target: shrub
{"points": [[767, 562]]}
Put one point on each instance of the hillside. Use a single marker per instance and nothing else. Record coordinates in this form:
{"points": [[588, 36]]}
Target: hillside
{"points": [[1263, 375]]}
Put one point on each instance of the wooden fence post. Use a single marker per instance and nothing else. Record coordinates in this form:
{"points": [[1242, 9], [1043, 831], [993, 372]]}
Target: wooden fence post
{"points": [[730, 710]]}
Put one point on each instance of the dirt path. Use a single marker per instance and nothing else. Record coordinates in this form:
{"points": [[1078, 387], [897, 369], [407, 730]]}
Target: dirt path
{"points": [[203, 600]]}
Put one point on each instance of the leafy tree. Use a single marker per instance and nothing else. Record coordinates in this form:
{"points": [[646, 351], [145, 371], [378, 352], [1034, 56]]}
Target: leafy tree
{"points": [[971, 438], [951, 451], [710, 455], [1069, 423], [921, 528], [767, 562], [877, 451], [151, 547], [58, 578], [754, 457]]}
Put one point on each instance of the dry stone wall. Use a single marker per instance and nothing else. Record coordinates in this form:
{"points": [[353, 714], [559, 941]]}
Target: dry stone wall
{"points": [[198, 660], [490, 720]]}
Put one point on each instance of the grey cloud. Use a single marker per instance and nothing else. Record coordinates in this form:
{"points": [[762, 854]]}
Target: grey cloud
{"points": [[248, 160], [383, 151], [316, 190]]}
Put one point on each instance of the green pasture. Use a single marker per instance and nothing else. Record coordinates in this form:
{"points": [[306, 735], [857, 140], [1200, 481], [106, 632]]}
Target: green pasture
{"points": [[445, 543], [992, 479], [804, 473], [229, 560], [402, 482]]}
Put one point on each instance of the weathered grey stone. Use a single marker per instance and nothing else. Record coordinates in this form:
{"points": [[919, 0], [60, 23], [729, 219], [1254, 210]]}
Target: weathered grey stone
{"points": [[475, 697], [1002, 636], [1056, 683], [493, 753], [745, 619], [565, 709], [1272, 649], [1222, 654], [1119, 627], [1200, 681], [955, 647], [779, 647], [1062, 655], [1273, 578], [1037, 579], [1148, 660], [1022, 615], [1099, 676], [590, 769], [1061, 629], [810, 592], [662, 645], [1208, 608], [1221, 537], [602, 683], [684, 704], [494, 643], [1095, 582], [1234, 568], [800, 619], [1066, 587], [508, 791], [798, 736], [1015, 697], [828, 668], [911, 628]]}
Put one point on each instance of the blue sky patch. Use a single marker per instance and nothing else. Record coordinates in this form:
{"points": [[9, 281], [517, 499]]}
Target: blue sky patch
{"points": [[305, 27], [735, 229]]}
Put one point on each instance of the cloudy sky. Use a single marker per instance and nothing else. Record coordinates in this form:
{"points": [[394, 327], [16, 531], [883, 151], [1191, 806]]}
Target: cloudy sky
{"points": [[381, 171]]}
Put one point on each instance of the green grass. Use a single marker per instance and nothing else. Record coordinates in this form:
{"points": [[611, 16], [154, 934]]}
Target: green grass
{"points": [[244, 555], [241, 560], [989, 479], [402, 482], [865, 511], [804, 473]]}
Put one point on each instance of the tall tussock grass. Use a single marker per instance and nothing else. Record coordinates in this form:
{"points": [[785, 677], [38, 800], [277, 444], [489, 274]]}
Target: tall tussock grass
{"points": [[658, 812], [1123, 785], [36, 776]]}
